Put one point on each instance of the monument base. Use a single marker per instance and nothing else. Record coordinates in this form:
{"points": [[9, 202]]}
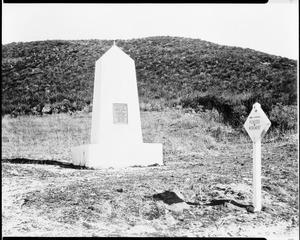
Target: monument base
{"points": [[117, 156]]}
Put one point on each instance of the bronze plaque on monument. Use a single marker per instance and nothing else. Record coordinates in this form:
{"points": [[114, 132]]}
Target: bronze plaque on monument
{"points": [[120, 113]]}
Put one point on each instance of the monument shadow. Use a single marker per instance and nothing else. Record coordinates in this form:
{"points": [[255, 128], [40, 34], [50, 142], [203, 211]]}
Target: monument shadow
{"points": [[43, 162]]}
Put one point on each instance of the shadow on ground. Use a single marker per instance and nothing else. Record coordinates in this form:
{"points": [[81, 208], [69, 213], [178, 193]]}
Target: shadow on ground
{"points": [[169, 198], [43, 162]]}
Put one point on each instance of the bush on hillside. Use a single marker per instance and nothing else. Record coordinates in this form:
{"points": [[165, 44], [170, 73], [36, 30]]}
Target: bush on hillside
{"points": [[234, 109], [284, 118]]}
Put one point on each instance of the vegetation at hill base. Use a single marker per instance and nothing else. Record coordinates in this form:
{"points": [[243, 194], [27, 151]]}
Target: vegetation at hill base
{"points": [[58, 76]]}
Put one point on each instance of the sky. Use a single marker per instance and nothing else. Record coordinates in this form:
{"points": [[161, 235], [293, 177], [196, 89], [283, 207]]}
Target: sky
{"points": [[271, 28]]}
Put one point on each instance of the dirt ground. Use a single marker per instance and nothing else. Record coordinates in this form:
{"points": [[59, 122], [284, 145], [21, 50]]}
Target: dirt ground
{"points": [[41, 199]]}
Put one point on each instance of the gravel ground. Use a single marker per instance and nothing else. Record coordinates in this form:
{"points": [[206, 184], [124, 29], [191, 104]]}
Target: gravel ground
{"points": [[60, 200]]}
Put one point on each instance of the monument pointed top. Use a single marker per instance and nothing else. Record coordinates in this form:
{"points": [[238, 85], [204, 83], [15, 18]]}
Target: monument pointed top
{"points": [[115, 52]]}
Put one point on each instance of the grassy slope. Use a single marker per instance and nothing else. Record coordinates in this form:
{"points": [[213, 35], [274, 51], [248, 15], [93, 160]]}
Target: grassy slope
{"points": [[177, 130], [170, 71], [204, 160]]}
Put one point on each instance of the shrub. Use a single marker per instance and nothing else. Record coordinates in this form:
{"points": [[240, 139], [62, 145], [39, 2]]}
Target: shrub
{"points": [[234, 109], [284, 117]]}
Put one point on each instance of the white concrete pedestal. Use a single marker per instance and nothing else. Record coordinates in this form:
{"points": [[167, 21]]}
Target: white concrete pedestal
{"points": [[104, 155]]}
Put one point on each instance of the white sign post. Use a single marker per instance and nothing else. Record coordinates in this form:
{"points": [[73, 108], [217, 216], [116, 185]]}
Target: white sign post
{"points": [[256, 125]]}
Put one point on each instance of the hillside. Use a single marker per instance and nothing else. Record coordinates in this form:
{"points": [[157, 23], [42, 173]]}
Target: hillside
{"points": [[171, 71]]}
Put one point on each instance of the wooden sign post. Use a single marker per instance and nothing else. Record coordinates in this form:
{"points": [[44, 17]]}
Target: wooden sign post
{"points": [[256, 125]]}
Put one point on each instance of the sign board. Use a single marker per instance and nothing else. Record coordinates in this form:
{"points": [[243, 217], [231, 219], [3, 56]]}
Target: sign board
{"points": [[120, 113], [257, 123]]}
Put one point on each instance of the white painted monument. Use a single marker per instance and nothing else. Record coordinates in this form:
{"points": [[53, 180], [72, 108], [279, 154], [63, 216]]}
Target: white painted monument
{"points": [[116, 134], [256, 125]]}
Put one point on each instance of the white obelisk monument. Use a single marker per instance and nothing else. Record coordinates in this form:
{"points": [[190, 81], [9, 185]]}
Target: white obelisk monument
{"points": [[116, 134]]}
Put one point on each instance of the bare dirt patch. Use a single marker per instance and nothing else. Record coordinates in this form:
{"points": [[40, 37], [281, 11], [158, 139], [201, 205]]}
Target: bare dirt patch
{"points": [[51, 200]]}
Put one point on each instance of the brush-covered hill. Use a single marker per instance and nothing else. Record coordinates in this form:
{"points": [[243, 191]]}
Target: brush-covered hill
{"points": [[171, 71]]}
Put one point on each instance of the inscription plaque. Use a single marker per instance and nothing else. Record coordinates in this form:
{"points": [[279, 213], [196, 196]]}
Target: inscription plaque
{"points": [[120, 113]]}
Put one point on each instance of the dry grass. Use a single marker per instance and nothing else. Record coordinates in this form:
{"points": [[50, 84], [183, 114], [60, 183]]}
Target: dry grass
{"points": [[52, 136], [49, 137]]}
